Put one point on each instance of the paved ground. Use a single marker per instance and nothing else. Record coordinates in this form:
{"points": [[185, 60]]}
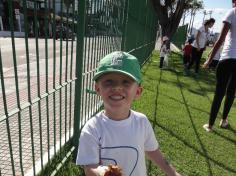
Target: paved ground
{"points": [[172, 46], [48, 126]]}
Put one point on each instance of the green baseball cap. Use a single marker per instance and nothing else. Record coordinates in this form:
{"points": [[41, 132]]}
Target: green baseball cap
{"points": [[120, 62]]}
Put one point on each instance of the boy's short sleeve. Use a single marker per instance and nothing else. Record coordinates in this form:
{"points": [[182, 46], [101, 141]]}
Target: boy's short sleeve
{"points": [[151, 143], [201, 29], [228, 17], [88, 151]]}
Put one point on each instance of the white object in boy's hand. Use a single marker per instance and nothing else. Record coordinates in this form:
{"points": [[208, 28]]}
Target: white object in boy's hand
{"points": [[101, 170], [166, 60], [110, 170]]}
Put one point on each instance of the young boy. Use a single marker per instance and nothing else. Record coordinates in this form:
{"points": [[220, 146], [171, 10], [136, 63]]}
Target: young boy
{"points": [[187, 50], [163, 51], [118, 135]]}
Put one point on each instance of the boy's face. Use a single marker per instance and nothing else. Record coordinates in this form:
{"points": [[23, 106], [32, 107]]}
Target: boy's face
{"points": [[117, 91], [211, 24]]}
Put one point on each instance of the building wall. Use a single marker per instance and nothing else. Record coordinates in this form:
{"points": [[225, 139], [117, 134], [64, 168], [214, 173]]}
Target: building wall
{"points": [[18, 16]]}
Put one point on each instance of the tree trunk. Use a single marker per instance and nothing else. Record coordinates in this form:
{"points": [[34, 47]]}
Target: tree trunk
{"points": [[169, 23]]}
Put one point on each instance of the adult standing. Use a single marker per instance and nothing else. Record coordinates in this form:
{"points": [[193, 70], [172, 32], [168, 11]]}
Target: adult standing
{"points": [[225, 71], [199, 44]]}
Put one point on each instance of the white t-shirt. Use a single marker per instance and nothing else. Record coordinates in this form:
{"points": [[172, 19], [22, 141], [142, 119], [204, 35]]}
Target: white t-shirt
{"points": [[117, 142], [163, 50], [229, 49], [202, 38]]}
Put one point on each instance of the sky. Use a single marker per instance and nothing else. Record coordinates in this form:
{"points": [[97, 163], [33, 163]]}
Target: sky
{"points": [[218, 8]]}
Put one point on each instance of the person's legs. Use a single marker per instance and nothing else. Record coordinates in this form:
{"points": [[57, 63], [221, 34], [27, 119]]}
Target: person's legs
{"points": [[230, 93], [198, 59], [188, 60], [185, 63], [213, 64], [184, 60], [161, 62], [193, 58], [222, 77], [229, 99]]}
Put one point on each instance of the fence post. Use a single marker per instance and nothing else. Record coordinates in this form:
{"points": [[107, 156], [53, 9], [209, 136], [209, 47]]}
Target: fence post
{"points": [[126, 18], [79, 66]]}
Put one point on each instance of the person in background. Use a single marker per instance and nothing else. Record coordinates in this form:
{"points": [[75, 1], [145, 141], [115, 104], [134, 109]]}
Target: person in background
{"points": [[187, 50], [225, 71], [163, 51], [119, 135], [199, 44]]}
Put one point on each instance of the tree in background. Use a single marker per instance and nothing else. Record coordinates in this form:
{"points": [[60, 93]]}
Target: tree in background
{"points": [[170, 12]]}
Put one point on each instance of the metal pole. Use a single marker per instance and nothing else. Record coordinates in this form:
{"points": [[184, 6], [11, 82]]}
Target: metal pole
{"points": [[210, 12], [184, 15], [79, 65], [204, 14], [1, 24], [190, 22], [194, 12], [126, 17]]}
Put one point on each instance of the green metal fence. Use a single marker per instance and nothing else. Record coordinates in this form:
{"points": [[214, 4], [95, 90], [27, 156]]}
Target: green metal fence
{"points": [[180, 36], [46, 75]]}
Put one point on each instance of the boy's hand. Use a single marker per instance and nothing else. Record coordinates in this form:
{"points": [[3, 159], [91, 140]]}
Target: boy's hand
{"points": [[206, 64], [177, 174], [101, 170], [174, 173], [113, 171], [109, 170]]}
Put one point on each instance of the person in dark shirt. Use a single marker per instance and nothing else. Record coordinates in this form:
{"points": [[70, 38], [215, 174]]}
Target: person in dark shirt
{"points": [[187, 50]]}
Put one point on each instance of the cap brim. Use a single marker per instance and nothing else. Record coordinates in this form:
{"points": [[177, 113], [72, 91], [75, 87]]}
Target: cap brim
{"points": [[99, 74]]}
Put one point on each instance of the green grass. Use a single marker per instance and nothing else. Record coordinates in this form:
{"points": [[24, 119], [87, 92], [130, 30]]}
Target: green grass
{"points": [[178, 106]]}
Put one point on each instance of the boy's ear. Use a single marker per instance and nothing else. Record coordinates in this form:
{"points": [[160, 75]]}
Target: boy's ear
{"points": [[97, 89], [138, 92]]}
